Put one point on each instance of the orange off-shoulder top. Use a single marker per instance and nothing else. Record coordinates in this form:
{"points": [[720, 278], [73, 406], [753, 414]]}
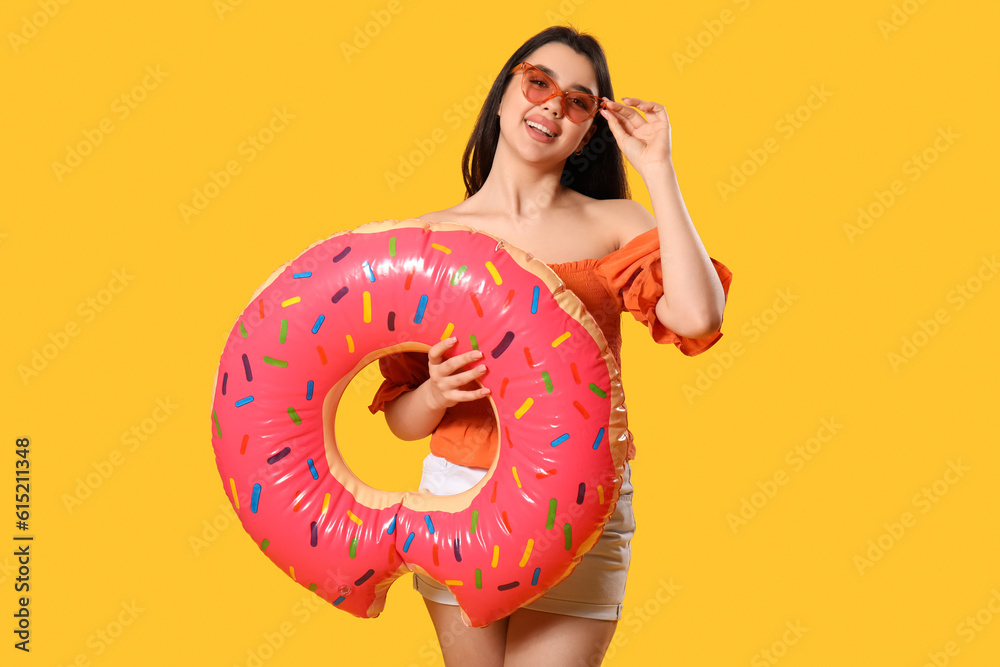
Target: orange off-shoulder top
{"points": [[628, 279]]}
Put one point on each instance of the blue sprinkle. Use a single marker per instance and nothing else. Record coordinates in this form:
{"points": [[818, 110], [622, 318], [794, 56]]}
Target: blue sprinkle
{"points": [[304, 274], [430, 526], [534, 300], [600, 436], [244, 401], [319, 323], [392, 526], [534, 577], [368, 271], [339, 600], [312, 469], [256, 498], [309, 391], [420, 309], [406, 547], [561, 439]]}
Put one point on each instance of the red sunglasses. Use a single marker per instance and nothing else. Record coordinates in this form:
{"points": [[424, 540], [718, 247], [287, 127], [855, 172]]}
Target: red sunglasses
{"points": [[538, 87]]}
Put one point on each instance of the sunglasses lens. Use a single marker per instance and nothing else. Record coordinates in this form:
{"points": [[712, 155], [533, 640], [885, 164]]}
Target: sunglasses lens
{"points": [[538, 88], [537, 85], [580, 107]]}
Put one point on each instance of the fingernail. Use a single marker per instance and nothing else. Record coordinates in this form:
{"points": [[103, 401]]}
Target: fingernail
{"points": [[477, 354]]}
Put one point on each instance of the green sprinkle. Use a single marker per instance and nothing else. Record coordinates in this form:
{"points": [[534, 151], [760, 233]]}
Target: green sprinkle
{"points": [[392, 246], [568, 531], [312, 587], [218, 428], [548, 382], [264, 543], [475, 520], [552, 514], [295, 416], [243, 330], [458, 275], [284, 331], [479, 578], [475, 345], [354, 545], [282, 364], [597, 390]]}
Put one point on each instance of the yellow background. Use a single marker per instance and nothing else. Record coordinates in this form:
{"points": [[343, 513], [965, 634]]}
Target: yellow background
{"points": [[135, 539]]}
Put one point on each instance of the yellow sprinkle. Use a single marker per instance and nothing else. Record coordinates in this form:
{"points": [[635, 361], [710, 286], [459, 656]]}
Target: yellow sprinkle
{"points": [[326, 504], [513, 469], [236, 499], [353, 517], [291, 571], [557, 340], [452, 582], [493, 272], [350, 343], [600, 494], [447, 330], [289, 302], [437, 246], [527, 552], [496, 554], [367, 298], [524, 407]]}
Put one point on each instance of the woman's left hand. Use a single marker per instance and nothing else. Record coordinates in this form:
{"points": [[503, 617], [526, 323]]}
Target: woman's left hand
{"points": [[645, 141]]}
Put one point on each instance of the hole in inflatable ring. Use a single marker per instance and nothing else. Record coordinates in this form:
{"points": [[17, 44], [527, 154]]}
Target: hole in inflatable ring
{"points": [[384, 462]]}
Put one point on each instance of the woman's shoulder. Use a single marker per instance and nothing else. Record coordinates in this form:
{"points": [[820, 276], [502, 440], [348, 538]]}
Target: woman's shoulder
{"points": [[626, 218]]}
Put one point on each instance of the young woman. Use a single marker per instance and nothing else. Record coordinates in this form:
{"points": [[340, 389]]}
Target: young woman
{"points": [[543, 171]]}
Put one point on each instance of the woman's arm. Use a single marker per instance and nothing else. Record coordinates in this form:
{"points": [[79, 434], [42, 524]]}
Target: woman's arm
{"points": [[415, 414], [693, 299]]}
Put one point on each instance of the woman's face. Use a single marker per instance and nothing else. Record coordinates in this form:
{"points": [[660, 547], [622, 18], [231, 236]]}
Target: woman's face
{"points": [[571, 71]]}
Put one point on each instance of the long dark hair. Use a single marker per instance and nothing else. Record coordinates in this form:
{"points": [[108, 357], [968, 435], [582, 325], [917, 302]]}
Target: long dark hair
{"points": [[598, 172]]}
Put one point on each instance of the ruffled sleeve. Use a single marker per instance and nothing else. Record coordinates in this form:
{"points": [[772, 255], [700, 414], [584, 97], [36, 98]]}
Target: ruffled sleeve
{"points": [[403, 372], [633, 273]]}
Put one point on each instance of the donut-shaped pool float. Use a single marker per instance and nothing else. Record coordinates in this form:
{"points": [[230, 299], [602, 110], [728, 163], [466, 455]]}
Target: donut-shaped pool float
{"points": [[396, 286]]}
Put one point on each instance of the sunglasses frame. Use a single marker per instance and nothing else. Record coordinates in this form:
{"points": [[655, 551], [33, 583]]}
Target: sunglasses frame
{"points": [[527, 68]]}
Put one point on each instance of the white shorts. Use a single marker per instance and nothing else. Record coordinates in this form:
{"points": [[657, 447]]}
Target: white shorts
{"points": [[596, 587]]}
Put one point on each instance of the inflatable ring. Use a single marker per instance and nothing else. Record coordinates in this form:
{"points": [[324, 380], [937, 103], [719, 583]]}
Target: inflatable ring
{"points": [[395, 286]]}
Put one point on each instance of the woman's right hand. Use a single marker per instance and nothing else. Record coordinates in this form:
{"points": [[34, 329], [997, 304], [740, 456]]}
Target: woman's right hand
{"points": [[446, 384]]}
